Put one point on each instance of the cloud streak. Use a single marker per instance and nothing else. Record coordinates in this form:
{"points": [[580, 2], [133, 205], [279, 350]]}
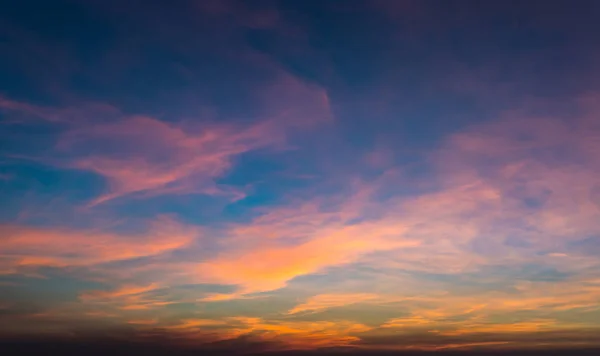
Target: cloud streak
{"points": [[36, 247]]}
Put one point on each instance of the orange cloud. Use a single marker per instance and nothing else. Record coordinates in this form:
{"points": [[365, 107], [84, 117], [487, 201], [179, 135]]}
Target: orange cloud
{"points": [[196, 323], [270, 266], [129, 297], [327, 301], [58, 247], [455, 314], [486, 173], [434, 231], [289, 242], [518, 327], [143, 322], [124, 291], [291, 334]]}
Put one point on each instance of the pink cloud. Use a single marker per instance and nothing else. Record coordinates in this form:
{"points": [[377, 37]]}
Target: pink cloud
{"points": [[530, 179], [141, 154], [145, 155], [485, 173]]}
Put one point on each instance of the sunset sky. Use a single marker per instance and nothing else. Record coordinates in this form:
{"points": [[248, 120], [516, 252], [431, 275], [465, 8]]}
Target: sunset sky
{"points": [[301, 174]]}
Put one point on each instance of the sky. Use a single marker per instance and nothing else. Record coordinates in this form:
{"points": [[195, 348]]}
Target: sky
{"points": [[274, 175]]}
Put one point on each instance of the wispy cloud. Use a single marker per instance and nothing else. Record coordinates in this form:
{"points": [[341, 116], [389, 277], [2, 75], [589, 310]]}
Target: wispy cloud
{"points": [[499, 199], [155, 157], [144, 155], [325, 301], [38, 247]]}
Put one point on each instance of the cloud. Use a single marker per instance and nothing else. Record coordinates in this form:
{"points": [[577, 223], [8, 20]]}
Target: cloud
{"points": [[484, 237], [143, 322], [24, 246], [497, 182], [286, 334], [268, 266], [290, 242], [120, 292], [325, 301], [145, 155], [517, 192], [502, 199], [148, 155], [131, 297]]}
